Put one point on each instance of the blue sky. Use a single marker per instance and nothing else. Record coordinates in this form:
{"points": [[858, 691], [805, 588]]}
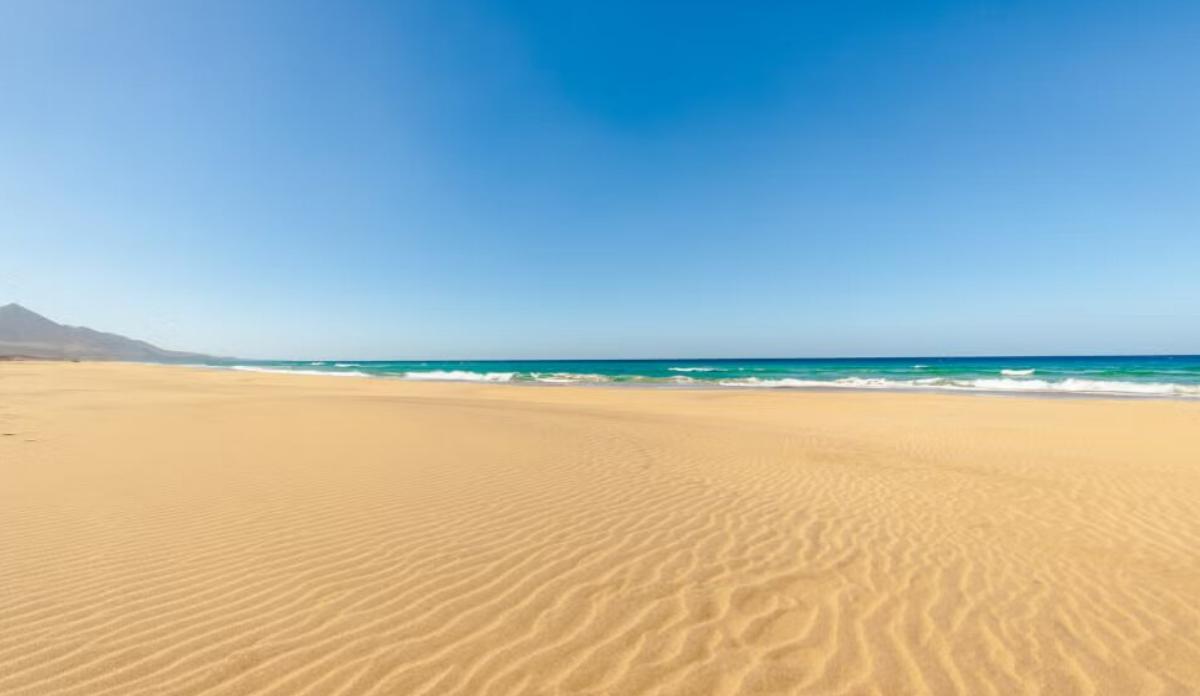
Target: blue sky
{"points": [[606, 179]]}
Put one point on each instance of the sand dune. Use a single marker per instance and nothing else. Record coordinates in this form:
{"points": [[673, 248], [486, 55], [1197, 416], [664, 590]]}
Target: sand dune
{"points": [[184, 531]]}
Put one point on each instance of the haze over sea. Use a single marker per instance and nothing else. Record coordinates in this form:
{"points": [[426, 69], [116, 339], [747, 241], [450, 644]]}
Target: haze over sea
{"points": [[1161, 376]]}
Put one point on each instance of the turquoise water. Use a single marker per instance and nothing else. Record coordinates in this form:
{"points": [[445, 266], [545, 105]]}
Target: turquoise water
{"points": [[1162, 376]]}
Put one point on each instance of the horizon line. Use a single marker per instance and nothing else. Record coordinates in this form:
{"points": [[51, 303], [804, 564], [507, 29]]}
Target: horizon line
{"points": [[730, 359]]}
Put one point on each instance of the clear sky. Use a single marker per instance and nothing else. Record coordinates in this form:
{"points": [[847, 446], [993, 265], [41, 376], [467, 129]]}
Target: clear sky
{"points": [[606, 179]]}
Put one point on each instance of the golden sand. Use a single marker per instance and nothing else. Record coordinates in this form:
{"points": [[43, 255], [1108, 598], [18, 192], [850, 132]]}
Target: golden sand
{"points": [[186, 531]]}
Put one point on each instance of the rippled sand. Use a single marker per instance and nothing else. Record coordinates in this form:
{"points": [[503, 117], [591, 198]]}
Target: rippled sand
{"points": [[186, 531]]}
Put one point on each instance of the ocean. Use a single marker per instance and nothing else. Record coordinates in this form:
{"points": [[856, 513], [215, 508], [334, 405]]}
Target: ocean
{"points": [[1171, 376]]}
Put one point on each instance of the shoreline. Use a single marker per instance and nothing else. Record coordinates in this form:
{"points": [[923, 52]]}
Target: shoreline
{"points": [[648, 384], [698, 384]]}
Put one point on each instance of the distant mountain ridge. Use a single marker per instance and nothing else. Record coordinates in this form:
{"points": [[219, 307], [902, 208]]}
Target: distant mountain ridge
{"points": [[27, 334]]}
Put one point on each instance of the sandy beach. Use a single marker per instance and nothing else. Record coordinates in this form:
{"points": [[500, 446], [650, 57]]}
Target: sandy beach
{"points": [[170, 530]]}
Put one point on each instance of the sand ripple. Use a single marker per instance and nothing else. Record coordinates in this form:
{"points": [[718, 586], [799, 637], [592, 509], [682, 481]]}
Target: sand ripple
{"points": [[171, 531]]}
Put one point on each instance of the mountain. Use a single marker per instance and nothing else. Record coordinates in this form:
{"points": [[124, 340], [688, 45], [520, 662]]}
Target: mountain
{"points": [[28, 334]]}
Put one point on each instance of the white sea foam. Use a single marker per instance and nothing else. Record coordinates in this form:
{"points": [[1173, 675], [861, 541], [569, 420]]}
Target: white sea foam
{"points": [[291, 371], [1066, 386], [692, 369], [1017, 373], [785, 382], [346, 365], [673, 379], [1006, 384], [919, 367], [568, 378], [1090, 386], [460, 376]]}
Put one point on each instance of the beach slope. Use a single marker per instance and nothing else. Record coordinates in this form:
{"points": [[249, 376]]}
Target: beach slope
{"points": [[168, 530]]}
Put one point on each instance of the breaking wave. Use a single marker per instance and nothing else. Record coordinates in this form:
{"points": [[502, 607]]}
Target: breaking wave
{"points": [[460, 376], [1009, 380], [1066, 386], [567, 378]]}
